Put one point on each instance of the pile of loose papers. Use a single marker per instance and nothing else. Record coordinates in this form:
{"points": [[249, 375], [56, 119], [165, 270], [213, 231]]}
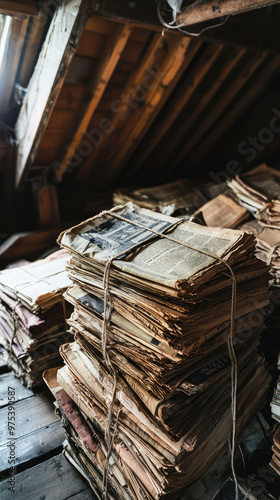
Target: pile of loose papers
{"points": [[222, 211], [270, 216], [158, 368], [32, 325]]}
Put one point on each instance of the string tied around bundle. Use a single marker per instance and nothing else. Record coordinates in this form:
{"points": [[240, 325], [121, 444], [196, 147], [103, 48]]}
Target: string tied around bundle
{"points": [[111, 368], [15, 323]]}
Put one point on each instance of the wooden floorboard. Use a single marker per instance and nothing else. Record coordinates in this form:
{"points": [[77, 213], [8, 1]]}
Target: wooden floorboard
{"points": [[9, 380], [3, 366], [35, 430], [54, 479], [33, 446]]}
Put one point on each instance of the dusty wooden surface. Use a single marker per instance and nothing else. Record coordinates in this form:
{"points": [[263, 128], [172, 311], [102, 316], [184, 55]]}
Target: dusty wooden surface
{"points": [[36, 432], [54, 479]]}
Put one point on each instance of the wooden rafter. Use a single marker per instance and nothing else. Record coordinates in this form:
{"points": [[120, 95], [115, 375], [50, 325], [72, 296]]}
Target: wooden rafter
{"points": [[96, 88], [135, 79], [172, 110], [205, 11], [168, 148], [169, 73], [207, 123], [47, 205], [245, 100], [49, 74]]}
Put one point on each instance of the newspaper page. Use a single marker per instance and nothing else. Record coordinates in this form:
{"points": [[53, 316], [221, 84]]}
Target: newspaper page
{"points": [[162, 261], [167, 262], [222, 212], [104, 237]]}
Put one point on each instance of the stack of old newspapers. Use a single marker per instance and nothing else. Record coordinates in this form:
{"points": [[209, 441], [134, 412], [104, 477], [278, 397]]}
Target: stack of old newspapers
{"points": [[262, 185], [257, 188], [32, 325], [145, 393], [178, 197]]}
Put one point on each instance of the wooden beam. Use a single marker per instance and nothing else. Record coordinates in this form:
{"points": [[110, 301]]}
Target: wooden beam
{"points": [[135, 79], [19, 7], [107, 64], [179, 132], [34, 41], [169, 73], [204, 133], [205, 11], [27, 245], [47, 205], [271, 67], [252, 29], [58, 49], [174, 107]]}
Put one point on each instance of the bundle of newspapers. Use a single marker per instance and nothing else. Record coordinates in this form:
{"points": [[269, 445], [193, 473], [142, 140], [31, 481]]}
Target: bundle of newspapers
{"points": [[178, 197], [257, 188], [263, 183], [32, 325], [145, 390]]}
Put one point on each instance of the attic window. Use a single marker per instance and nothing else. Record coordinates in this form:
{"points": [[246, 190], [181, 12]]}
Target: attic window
{"points": [[5, 24]]}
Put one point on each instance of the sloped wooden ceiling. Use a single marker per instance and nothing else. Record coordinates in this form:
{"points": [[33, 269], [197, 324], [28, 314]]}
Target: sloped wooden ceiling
{"points": [[167, 102], [137, 105]]}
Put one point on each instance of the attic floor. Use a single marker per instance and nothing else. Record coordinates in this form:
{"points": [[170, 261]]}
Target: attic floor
{"points": [[41, 470]]}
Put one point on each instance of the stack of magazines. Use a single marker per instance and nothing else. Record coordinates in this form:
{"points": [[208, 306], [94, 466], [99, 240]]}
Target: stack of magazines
{"points": [[32, 325], [145, 390]]}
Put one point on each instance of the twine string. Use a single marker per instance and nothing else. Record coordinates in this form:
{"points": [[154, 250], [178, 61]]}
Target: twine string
{"points": [[106, 356], [15, 323]]}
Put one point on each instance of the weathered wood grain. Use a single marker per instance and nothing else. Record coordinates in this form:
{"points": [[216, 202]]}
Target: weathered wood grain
{"points": [[55, 479]]}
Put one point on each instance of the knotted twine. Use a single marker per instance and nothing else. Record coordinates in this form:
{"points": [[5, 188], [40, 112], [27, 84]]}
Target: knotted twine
{"points": [[111, 368], [15, 323]]}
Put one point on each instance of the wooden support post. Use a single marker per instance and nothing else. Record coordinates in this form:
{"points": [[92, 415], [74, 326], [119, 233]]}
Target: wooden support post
{"points": [[47, 204]]}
